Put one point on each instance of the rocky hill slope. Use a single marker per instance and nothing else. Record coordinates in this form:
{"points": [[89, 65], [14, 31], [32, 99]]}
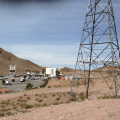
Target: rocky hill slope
{"points": [[7, 59]]}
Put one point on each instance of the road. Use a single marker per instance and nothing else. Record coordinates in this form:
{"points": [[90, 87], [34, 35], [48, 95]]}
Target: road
{"points": [[20, 86]]}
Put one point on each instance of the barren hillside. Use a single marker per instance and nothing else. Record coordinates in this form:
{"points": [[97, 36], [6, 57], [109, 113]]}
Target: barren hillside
{"points": [[7, 59]]}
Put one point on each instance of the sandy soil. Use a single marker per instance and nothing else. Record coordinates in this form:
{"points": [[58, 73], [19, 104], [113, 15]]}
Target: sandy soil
{"points": [[92, 109], [87, 110]]}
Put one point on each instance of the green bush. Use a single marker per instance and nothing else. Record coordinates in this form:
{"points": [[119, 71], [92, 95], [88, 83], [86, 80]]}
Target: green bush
{"points": [[53, 95], [73, 97], [4, 102], [40, 100], [13, 80], [3, 82], [36, 99], [55, 103], [36, 95], [57, 98], [82, 96], [15, 107], [8, 113], [46, 82], [28, 98], [111, 87], [25, 94], [26, 106], [29, 86], [44, 104], [45, 96], [38, 105], [68, 92], [1, 114], [60, 95]]}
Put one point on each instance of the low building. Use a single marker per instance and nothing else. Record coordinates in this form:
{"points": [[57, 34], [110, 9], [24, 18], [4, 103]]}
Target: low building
{"points": [[12, 69], [51, 72]]}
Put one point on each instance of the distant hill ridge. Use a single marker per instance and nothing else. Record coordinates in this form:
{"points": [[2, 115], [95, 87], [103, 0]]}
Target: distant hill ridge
{"points": [[7, 59]]}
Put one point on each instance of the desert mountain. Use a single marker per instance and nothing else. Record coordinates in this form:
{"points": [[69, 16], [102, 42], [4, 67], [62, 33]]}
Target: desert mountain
{"points": [[7, 59]]}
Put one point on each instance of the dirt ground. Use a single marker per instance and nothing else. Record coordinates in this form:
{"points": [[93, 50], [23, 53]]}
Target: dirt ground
{"points": [[47, 106]]}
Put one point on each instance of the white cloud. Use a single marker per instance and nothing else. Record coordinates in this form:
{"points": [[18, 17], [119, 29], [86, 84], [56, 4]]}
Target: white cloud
{"points": [[44, 54]]}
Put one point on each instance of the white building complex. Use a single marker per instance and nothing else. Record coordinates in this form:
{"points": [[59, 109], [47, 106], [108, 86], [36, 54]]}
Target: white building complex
{"points": [[51, 72]]}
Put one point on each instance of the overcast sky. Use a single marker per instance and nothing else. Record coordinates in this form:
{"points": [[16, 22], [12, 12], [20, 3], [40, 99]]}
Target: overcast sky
{"points": [[46, 32]]}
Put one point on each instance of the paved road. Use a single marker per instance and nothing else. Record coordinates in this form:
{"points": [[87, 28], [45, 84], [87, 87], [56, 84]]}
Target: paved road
{"points": [[17, 85]]}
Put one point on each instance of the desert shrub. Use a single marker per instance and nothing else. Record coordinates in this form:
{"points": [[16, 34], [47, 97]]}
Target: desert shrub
{"points": [[13, 80], [68, 92], [59, 86], [111, 87], [1, 92], [78, 83], [73, 97], [44, 104], [3, 82], [45, 96], [36, 99], [29, 86], [82, 96], [49, 86], [8, 113], [58, 98], [107, 97], [25, 94], [19, 100], [60, 95], [2, 114], [15, 107], [13, 104], [38, 105], [5, 102], [42, 93], [24, 100], [20, 97], [22, 105], [61, 102], [55, 103], [39, 95], [28, 98], [2, 106], [53, 95], [5, 109], [64, 94], [55, 86], [27, 106], [40, 100], [36, 95]]}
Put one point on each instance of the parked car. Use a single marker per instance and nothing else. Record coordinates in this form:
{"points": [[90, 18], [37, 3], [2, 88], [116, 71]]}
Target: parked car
{"points": [[22, 79], [27, 78], [35, 78], [8, 83]]}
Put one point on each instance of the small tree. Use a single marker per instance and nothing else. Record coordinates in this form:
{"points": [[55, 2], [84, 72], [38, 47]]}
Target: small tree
{"points": [[3, 82], [43, 71], [13, 80], [57, 72], [29, 86]]}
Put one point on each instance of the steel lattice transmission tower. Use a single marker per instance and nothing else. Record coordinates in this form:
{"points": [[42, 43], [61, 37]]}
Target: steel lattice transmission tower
{"points": [[99, 48]]}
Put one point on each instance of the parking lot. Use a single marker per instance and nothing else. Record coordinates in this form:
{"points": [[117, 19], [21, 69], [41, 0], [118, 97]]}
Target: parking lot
{"points": [[20, 86]]}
